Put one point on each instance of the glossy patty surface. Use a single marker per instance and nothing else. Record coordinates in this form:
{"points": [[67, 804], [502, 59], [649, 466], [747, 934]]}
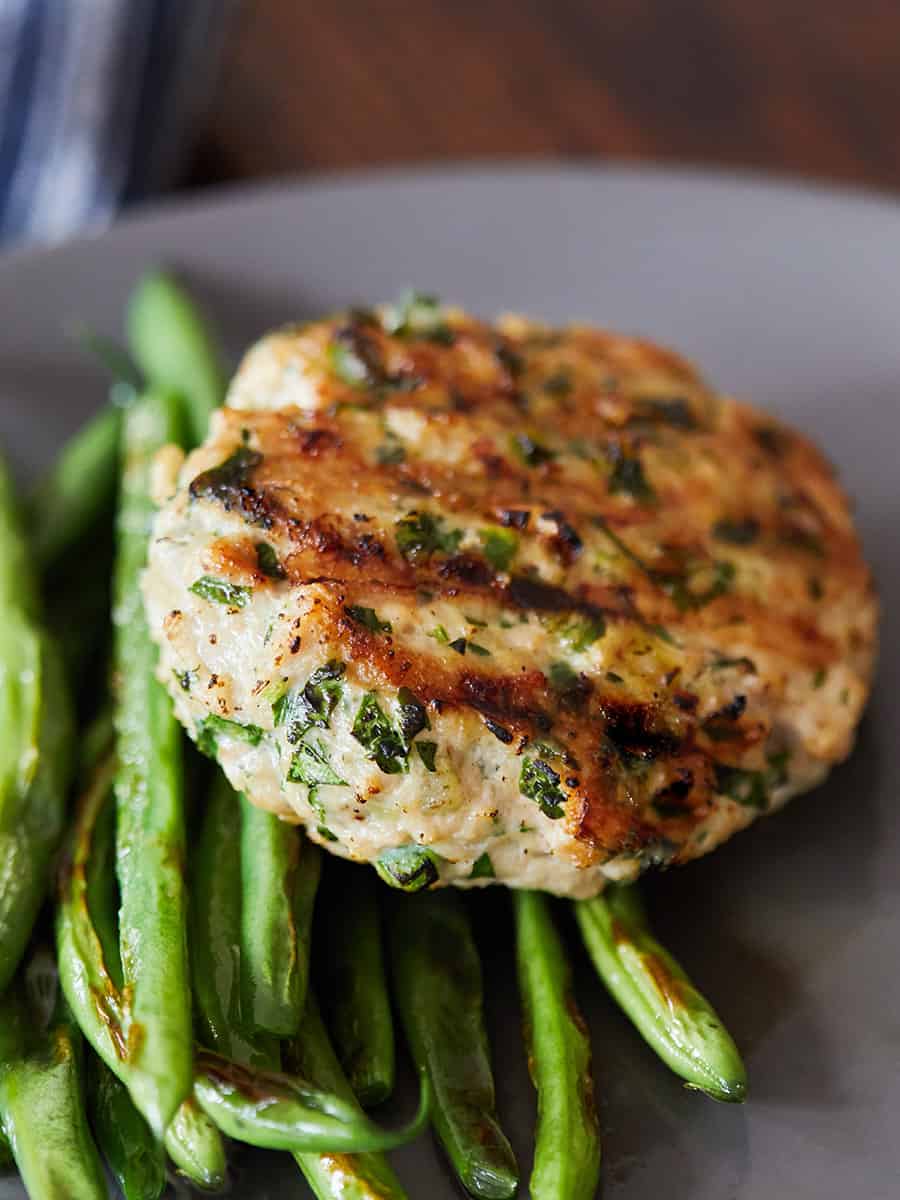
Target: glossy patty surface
{"points": [[538, 600]]}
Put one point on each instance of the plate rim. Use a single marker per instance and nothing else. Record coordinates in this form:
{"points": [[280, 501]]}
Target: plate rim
{"points": [[220, 197]]}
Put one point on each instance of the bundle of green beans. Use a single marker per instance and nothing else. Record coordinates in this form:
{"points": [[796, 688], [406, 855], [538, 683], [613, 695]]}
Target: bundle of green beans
{"points": [[193, 995]]}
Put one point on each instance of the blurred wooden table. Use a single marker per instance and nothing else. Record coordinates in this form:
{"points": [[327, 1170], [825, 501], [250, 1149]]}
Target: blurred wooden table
{"points": [[806, 86]]}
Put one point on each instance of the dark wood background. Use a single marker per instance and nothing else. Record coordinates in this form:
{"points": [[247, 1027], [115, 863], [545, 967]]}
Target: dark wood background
{"points": [[805, 86]]}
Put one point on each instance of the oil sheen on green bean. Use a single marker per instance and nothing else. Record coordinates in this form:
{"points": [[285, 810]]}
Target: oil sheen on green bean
{"points": [[567, 1139], [654, 991], [284, 1112], [336, 1176], [150, 842], [215, 940], [41, 1103], [279, 873], [438, 988], [174, 347], [131, 1152], [358, 1005]]}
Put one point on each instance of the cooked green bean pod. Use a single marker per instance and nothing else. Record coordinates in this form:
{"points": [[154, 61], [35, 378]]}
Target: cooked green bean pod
{"points": [[78, 491], [283, 1112], [567, 1140], [195, 1146], [280, 873], [150, 847], [359, 1007], [216, 934], [654, 991], [41, 1109], [175, 348], [91, 973], [131, 1152], [438, 987], [336, 1176], [36, 747]]}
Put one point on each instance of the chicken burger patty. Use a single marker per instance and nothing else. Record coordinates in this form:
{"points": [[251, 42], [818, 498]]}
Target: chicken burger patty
{"points": [[505, 602]]}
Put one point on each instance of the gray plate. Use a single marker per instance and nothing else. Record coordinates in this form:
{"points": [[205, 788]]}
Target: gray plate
{"points": [[787, 295]]}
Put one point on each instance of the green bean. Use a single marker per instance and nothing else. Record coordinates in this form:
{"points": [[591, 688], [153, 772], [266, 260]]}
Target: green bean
{"points": [[280, 874], [195, 1146], [132, 1154], [41, 1104], [18, 577], [78, 491], [36, 747], [336, 1176], [438, 987], [174, 347], [91, 973], [35, 716], [150, 847], [567, 1140], [359, 1007], [216, 932], [283, 1112], [654, 991]]}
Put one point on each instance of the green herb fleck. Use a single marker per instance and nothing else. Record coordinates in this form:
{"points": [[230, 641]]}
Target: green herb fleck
{"points": [[421, 534], [746, 787], [627, 477], [529, 451], [267, 561], [778, 767], [723, 662], [390, 454], [815, 588], [562, 677], [698, 585], [499, 546], [324, 832], [559, 383], [613, 677], [220, 591], [375, 731], [427, 751], [819, 677], [303, 708], [482, 868], [418, 315], [675, 412], [368, 618], [413, 717], [212, 727], [742, 532], [751, 788], [582, 632], [539, 782], [409, 868], [804, 540], [311, 765], [440, 634], [229, 480], [461, 645], [348, 364]]}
